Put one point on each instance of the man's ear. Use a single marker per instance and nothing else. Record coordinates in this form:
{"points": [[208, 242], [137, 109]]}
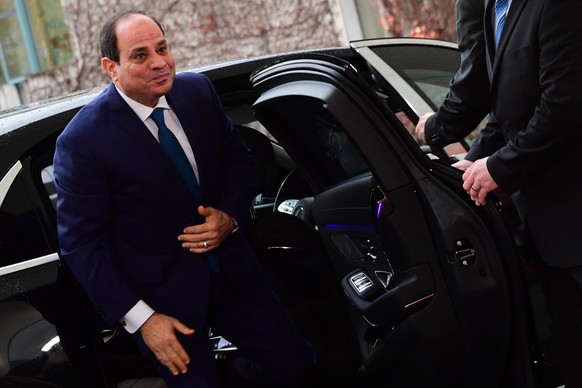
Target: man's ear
{"points": [[110, 67]]}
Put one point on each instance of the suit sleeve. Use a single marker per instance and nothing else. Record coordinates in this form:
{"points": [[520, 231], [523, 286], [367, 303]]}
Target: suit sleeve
{"points": [[467, 102], [489, 141], [84, 211]]}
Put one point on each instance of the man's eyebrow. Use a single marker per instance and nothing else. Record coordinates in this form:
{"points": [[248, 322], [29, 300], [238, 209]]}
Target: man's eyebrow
{"points": [[141, 49], [138, 50]]}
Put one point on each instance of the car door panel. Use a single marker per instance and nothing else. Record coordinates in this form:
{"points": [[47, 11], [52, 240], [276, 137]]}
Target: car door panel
{"points": [[32, 303], [349, 228], [51, 332]]}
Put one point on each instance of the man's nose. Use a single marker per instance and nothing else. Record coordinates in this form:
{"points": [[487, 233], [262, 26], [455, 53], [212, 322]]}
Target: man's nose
{"points": [[157, 61]]}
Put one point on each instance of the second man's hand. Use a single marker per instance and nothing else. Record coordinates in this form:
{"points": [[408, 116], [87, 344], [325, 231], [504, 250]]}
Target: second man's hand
{"points": [[477, 181]]}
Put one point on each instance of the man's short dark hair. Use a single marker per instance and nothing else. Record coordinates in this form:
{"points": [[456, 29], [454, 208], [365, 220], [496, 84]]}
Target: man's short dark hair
{"points": [[108, 38]]}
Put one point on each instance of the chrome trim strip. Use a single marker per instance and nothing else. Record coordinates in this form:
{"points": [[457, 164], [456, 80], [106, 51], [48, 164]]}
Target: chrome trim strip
{"points": [[29, 264], [361, 282], [402, 41], [283, 248], [416, 103], [8, 179], [411, 304]]}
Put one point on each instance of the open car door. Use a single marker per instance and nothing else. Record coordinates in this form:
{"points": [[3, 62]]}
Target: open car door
{"points": [[431, 281]]}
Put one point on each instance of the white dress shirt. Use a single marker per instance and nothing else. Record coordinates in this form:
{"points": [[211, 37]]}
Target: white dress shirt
{"points": [[141, 312]]}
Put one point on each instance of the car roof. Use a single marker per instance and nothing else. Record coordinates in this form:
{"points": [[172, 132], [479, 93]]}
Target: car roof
{"points": [[24, 115], [236, 71]]}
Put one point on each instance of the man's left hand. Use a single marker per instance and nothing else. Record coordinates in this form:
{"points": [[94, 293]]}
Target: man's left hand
{"points": [[209, 235], [477, 182]]}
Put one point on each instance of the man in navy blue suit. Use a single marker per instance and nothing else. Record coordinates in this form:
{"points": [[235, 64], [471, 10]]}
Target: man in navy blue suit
{"points": [[166, 262]]}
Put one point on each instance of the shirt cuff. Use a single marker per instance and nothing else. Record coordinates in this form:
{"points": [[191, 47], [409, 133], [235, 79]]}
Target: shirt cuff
{"points": [[136, 317]]}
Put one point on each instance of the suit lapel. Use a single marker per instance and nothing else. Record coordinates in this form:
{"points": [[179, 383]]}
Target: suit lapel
{"points": [[488, 21], [132, 125]]}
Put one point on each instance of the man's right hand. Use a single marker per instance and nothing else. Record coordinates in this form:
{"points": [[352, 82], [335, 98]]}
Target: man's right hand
{"points": [[158, 333]]}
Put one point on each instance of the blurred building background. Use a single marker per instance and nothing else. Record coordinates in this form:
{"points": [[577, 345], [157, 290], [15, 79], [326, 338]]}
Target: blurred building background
{"points": [[49, 48]]}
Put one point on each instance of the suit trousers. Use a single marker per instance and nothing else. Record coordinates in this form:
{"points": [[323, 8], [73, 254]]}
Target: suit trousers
{"points": [[563, 292], [271, 352], [564, 296]]}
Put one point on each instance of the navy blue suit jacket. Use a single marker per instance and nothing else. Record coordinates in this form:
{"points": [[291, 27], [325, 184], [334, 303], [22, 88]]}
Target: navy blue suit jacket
{"points": [[121, 204]]}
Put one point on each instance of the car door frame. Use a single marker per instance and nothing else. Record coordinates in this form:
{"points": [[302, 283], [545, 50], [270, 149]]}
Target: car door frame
{"points": [[403, 172]]}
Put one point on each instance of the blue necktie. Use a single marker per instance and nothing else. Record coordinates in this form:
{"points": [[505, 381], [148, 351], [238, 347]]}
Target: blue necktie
{"points": [[172, 147], [500, 16]]}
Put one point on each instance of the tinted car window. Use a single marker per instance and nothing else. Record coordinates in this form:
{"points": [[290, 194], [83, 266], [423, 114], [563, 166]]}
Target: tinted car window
{"points": [[331, 142], [22, 236], [429, 83], [48, 180], [429, 71], [325, 147]]}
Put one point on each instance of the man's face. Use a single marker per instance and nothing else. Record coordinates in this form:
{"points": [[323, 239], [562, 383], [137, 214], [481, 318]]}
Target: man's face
{"points": [[146, 67]]}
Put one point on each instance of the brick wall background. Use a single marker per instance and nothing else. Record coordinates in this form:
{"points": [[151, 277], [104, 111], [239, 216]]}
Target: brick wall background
{"points": [[200, 32]]}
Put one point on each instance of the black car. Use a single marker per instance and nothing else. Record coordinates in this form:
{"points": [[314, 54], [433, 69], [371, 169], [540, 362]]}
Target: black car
{"points": [[376, 251]]}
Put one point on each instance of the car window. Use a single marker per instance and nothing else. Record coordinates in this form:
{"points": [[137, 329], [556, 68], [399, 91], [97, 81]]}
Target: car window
{"points": [[429, 71], [22, 234], [48, 180], [430, 83], [339, 154], [324, 146]]}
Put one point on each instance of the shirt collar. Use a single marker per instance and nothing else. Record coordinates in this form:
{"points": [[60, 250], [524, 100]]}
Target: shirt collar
{"points": [[141, 110]]}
